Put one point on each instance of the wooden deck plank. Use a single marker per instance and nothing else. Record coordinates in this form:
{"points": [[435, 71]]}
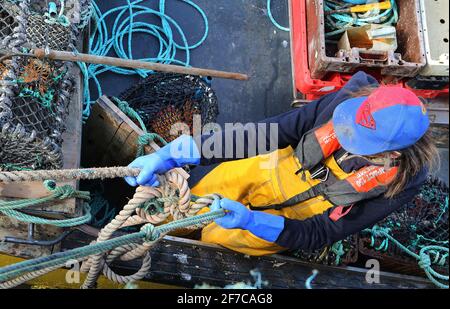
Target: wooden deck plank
{"points": [[186, 263]]}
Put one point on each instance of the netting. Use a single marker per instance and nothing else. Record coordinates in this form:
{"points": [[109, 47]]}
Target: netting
{"points": [[7, 21], [164, 99], [59, 37], [34, 94], [422, 222], [340, 253]]}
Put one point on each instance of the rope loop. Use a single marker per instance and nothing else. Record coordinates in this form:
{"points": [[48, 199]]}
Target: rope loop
{"points": [[65, 191]]}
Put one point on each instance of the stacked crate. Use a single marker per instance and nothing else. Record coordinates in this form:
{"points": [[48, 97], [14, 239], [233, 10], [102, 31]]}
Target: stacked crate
{"points": [[319, 71]]}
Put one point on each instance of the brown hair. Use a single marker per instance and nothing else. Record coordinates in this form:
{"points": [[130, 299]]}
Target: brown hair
{"points": [[423, 154]]}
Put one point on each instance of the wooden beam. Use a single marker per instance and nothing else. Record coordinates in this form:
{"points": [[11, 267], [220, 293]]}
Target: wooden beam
{"points": [[134, 64]]}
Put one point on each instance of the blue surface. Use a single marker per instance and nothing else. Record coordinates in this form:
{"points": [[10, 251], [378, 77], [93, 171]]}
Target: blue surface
{"points": [[241, 39]]}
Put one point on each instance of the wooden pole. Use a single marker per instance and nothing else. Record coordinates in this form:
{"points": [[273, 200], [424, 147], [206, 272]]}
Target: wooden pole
{"points": [[134, 64]]}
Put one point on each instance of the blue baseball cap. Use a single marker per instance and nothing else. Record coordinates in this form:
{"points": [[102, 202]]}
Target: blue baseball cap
{"points": [[389, 119]]}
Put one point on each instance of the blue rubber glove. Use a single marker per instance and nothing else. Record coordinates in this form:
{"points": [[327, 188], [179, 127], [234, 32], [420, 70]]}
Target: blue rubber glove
{"points": [[261, 224], [179, 152]]}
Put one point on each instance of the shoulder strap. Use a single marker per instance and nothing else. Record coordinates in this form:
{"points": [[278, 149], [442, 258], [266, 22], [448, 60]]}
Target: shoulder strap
{"points": [[368, 182], [317, 145]]}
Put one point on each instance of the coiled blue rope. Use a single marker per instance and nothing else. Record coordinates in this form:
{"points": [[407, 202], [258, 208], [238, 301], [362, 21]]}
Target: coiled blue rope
{"points": [[272, 19], [119, 40]]}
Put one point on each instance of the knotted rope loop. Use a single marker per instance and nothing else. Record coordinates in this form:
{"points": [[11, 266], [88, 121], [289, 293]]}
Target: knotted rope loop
{"points": [[151, 234]]}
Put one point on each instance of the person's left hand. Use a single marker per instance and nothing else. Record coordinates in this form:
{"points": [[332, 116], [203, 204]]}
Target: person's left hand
{"points": [[259, 223], [237, 216]]}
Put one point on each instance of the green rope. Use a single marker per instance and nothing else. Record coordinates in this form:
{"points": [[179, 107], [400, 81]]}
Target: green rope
{"points": [[55, 222], [101, 210], [57, 193], [148, 233], [423, 258], [156, 205], [9, 208], [45, 100], [147, 137], [338, 249], [338, 23]]}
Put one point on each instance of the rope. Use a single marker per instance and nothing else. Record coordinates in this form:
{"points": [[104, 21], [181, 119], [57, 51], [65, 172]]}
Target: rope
{"points": [[423, 258], [310, 279], [174, 200], [145, 138], [340, 22], [68, 174], [272, 19], [119, 40], [9, 208], [338, 249], [57, 193], [85, 218], [148, 233]]}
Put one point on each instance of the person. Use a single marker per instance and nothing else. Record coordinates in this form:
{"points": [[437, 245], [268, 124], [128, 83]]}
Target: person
{"points": [[342, 163]]}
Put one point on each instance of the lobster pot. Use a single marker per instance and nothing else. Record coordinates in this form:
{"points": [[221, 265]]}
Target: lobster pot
{"points": [[33, 108], [7, 20], [34, 94], [164, 99], [343, 252], [422, 222]]}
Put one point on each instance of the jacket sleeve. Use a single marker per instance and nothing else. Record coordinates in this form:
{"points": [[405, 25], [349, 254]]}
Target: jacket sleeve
{"points": [[319, 231], [243, 141], [239, 141]]}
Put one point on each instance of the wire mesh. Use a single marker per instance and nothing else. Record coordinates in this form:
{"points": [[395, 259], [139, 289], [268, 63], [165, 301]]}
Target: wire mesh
{"points": [[7, 21], [422, 222], [34, 94], [164, 99], [40, 35]]}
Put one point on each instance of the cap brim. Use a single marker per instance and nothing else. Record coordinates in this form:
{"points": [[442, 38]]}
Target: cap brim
{"points": [[353, 137]]}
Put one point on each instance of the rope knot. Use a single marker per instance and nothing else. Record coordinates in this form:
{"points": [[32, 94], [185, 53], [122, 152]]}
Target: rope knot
{"points": [[150, 233], [425, 261], [146, 138], [379, 231], [63, 192]]}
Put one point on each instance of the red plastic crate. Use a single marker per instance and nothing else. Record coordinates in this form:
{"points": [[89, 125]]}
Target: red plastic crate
{"points": [[315, 88]]}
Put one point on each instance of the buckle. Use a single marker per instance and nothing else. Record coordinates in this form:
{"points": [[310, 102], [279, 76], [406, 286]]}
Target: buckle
{"points": [[317, 174]]}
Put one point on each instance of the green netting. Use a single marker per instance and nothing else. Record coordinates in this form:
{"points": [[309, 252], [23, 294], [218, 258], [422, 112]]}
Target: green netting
{"points": [[422, 222]]}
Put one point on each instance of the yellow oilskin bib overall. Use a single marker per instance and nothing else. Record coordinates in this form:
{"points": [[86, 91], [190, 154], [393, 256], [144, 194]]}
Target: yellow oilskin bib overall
{"points": [[262, 180]]}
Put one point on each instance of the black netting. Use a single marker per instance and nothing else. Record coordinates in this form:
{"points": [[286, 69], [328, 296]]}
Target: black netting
{"points": [[163, 99], [341, 253], [422, 222]]}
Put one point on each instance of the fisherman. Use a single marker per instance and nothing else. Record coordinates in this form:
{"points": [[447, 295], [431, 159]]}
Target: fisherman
{"points": [[343, 163]]}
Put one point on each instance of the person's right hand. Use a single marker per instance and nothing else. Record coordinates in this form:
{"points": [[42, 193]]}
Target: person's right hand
{"points": [[177, 153], [150, 166]]}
